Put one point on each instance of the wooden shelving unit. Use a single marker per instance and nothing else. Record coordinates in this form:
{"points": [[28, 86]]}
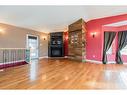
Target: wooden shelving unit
{"points": [[77, 40]]}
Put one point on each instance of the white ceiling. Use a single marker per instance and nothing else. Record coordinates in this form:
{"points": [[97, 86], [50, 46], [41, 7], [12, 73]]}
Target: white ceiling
{"points": [[117, 23], [54, 18]]}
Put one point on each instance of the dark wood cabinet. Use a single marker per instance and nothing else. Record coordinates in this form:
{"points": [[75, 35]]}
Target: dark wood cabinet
{"points": [[77, 40], [56, 45]]}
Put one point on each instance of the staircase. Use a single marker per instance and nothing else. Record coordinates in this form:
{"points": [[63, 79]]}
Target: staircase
{"points": [[10, 57]]}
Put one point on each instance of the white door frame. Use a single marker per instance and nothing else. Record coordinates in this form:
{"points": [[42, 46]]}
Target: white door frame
{"points": [[27, 41]]}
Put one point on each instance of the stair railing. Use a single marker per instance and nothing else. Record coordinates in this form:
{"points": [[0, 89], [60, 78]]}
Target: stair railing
{"points": [[14, 55]]}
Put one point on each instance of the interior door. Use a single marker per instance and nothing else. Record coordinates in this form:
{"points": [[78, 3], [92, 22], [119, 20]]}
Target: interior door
{"points": [[32, 44]]}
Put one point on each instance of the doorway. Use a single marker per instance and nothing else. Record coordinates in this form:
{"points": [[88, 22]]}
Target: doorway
{"points": [[32, 44]]}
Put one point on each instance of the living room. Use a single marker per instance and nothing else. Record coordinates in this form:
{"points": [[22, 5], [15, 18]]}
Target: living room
{"points": [[63, 47]]}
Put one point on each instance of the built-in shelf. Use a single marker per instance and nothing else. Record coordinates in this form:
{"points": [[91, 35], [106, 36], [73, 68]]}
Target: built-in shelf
{"points": [[77, 40]]}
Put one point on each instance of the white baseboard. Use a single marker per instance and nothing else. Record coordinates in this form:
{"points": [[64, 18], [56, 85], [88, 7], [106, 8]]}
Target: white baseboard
{"points": [[113, 62], [52, 57], [43, 57], [87, 60], [94, 61], [1, 70], [65, 56]]}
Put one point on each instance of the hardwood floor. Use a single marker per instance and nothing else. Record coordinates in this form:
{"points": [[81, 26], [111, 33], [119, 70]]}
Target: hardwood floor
{"points": [[64, 74]]}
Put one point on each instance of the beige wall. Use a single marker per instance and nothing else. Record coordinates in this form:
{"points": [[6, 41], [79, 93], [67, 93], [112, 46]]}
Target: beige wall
{"points": [[15, 37]]}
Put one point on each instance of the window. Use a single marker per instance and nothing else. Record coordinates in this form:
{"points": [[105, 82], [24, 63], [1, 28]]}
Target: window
{"points": [[124, 50], [110, 50]]}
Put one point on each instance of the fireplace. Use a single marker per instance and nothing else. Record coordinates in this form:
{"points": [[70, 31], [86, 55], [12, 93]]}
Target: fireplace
{"points": [[56, 52], [56, 45]]}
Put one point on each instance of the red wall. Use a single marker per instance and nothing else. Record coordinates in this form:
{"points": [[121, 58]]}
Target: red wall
{"points": [[66, 43], [94, 47]]}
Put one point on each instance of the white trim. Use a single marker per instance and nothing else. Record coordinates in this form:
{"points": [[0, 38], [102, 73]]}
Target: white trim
{"points": [[1, 70], [100, 61], [109, 62], [43, 57], [113, 62], [120, 23], [27, 35], [59, 57], [66, 56], [94, 61], [52, 57], [12, 62]]}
